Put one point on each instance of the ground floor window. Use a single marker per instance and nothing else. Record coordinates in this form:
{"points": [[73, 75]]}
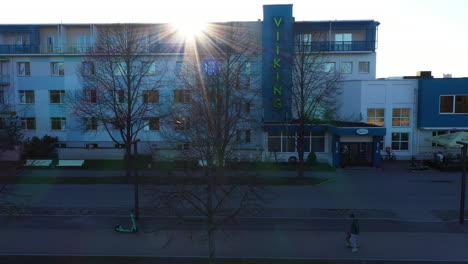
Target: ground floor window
{"points": [[287, 142], [400, 141]]}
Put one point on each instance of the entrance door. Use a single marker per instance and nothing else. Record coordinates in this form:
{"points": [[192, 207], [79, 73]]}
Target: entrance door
{"points": [[356, 154]]}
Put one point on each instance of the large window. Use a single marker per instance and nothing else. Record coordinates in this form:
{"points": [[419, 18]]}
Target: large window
{"points": [[286, 142], [376, 116], [328, 66], [347, 67], [24, 69], [401, 117], [343, 41], [28, 123], [88, 68], [90, 96], [57, 68], [26, 97], [364, 67], [453, 104], [58, 123], [150, 96], [91, 123], [400, 141], [304, 42], [182, 96], [56, 96], [151, 123], [149, 67]]}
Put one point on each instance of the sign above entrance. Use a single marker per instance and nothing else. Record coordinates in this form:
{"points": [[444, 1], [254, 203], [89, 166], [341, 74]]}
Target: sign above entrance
{"points": [[362, 131]]}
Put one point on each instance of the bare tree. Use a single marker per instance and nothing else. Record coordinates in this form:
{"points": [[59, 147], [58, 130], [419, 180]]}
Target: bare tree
{"points": [[120, 80], [315, 87], [210, 124]]}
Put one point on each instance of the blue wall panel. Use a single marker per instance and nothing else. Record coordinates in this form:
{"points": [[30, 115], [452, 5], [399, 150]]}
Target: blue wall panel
{"points": [[277, 49], [428, 103]]}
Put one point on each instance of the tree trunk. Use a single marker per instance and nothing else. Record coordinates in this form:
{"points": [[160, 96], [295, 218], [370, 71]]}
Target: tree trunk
{"points": [[128, 161]]}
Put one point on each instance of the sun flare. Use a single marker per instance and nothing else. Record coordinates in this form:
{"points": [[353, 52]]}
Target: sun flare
{"points": [[189, 28]]}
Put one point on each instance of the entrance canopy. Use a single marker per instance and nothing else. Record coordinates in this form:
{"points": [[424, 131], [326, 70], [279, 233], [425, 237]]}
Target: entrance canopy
{"points": [[450, 140]]}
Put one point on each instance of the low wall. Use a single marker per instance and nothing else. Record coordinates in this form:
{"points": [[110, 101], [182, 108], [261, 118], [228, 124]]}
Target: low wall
{"points": [[91, 154]]}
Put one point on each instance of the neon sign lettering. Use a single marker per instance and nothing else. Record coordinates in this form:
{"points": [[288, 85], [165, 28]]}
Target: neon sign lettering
{"points": [[277, 88]]}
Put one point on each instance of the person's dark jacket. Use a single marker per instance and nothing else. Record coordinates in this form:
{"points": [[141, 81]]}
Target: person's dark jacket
{"points": [[355, 227]]}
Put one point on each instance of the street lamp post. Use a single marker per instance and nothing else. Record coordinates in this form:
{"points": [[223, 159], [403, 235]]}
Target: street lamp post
{"points": [[463, 182]]}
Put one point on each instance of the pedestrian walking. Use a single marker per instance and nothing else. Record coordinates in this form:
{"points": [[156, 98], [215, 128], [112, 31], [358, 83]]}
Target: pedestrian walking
{"points": [[354, 233]]}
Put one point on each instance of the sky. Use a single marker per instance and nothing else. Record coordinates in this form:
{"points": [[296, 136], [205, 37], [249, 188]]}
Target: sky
{"points": [[414, 35]]}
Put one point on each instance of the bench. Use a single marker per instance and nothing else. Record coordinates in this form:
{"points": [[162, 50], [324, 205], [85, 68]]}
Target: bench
{"points": [[38, 163], [70, 163]]}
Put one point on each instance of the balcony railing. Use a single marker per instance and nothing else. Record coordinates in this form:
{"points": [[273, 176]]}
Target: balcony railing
{"points": [[79, 49], [328, 46], [4, 79], [19, 49]]}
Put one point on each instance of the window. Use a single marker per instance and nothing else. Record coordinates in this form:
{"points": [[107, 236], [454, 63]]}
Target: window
{"points": [[453, 104], [151, 123], [54, 44], [24, 69], [401, 117], [57, 68], [400, 141], [83, 44], [343, 41], [22, 40], [90, 96], [182, 96], [2, 97], [304, 42], [26, 97], [364, 67], [179, 68], [150, 96], [376, 116], [247, 108], [91, 123], [181, 123], [28, 123], [56, 96], [328, 66], [347, 67], [149, 68], [88, 68], [247, 136], [286, 142], [58, 123]]}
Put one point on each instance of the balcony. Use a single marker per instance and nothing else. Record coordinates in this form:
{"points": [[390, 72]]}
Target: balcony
{"points": [[4, 79], [336, 46], [19, 49]]}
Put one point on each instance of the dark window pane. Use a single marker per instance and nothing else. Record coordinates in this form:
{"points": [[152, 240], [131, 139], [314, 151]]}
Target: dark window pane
{"points": [[404, 146], [404, 136], [395, 145], [395, 136], [318, 144], [446, 104], [274, 144], [461, 104]]}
